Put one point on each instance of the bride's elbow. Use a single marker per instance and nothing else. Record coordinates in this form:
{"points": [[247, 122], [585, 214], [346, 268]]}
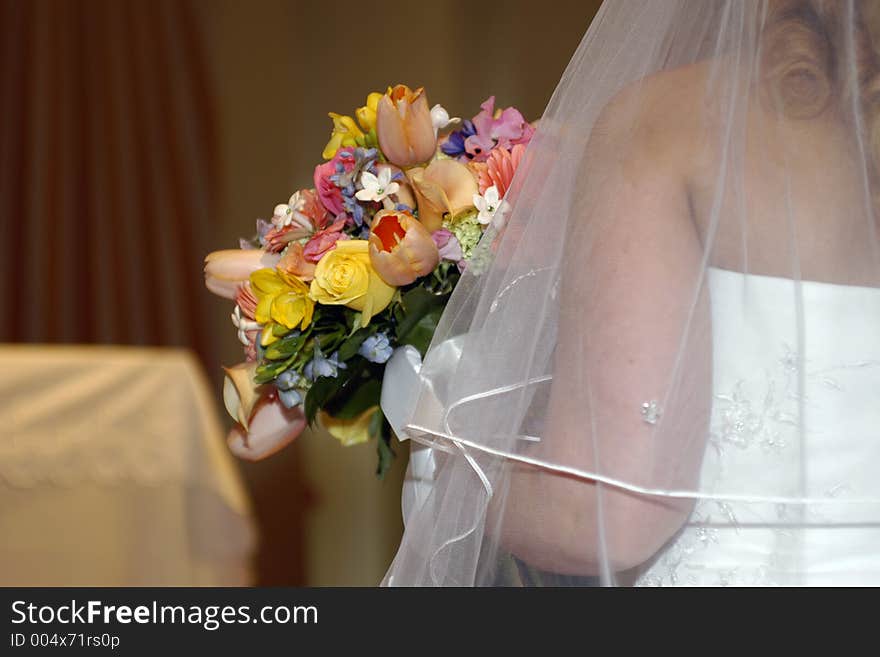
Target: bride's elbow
{"points": [[583, 533]]}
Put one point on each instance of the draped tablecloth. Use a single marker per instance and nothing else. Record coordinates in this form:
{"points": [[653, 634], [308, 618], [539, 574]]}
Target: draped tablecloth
{"points": [[114, 471]]}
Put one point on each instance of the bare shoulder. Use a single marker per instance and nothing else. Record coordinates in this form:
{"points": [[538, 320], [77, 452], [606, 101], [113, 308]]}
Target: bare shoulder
{"points": [[659, 119]]}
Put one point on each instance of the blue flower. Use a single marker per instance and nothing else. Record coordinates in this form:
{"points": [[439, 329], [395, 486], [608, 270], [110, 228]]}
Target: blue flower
{"points": [[320, 366], [288, 385], [288, 380], [454, 144], [376, 348], [290, 398]]}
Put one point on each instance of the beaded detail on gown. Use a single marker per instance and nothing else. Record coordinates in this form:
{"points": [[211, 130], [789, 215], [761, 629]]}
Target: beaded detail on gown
{"points": [[756, 443]]}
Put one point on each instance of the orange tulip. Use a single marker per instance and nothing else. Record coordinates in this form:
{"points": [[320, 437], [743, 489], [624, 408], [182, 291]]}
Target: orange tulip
{"points": [[404, 127], [401, 248]]}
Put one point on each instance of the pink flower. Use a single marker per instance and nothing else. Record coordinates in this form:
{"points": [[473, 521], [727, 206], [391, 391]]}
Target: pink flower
{"points": [[448, 244], [250, 349], [499, 169], [312, 208], [508, 129], [324, 240], [246, 300], [271, 428], [295, 263], [278, 238], [328, 192]]}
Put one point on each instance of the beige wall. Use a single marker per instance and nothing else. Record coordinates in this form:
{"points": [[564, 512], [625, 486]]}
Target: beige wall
{"points": [[280, 66]]}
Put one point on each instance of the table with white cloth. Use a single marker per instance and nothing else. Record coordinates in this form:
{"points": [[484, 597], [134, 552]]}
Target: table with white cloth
{"points": [[114, 471]]}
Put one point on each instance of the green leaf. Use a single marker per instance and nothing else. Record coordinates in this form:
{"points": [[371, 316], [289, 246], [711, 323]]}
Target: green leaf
{"points": [[379, 430], [414, 305], [325, 388], [321, 391], [423, 332], [267, 371], [286, 347], [350, 347], [361, 396]]}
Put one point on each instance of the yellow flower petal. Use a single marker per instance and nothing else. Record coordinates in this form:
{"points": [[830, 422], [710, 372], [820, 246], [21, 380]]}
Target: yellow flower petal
{"points": [[266, 281], [349, 432]]}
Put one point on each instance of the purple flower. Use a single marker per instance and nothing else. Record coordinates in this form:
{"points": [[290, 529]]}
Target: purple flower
{"points": [[263, 228], [455, 141], [448, 245], [509, 129]]}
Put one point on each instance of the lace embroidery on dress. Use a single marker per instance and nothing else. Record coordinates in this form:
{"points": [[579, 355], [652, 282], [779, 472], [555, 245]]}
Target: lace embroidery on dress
{"points": [[758, 414]]}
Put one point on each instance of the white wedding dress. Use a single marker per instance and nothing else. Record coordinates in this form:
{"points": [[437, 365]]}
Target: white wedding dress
{"points": [[753, 434], [752, 437]]}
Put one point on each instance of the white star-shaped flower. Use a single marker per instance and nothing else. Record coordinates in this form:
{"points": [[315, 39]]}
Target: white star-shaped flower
{"points": [[243, 324], [489, 204], [286, 213], [376, 188]]}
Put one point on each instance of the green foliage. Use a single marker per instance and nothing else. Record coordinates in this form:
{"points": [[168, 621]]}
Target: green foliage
{"points": [[357, 397], [380, 430], [352, 343]]}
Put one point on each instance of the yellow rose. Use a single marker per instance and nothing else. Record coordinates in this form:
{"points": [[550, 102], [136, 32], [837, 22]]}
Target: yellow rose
{"points": [[282, 299], [345, 277]]}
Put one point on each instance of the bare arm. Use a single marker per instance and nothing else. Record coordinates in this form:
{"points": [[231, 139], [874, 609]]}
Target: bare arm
{"points": [[634, 327]]}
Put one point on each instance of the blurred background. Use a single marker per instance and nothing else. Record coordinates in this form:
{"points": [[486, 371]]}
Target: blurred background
{"points": [[135, 137]]}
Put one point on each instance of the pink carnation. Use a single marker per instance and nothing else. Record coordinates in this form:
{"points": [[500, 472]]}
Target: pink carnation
{"points": [[324, 240], [246, 300], [499, 169], [328, 192]]}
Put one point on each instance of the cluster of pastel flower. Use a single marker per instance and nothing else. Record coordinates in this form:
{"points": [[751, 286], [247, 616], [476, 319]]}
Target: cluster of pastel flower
{"points": [[362, 262]]}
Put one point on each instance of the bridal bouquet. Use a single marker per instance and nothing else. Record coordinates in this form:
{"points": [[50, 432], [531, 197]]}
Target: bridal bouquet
{"points": [[358, 263]]}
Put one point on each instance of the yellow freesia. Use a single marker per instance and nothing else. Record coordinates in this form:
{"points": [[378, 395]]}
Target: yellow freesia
{"points": [[281, 299], [366, 115], [349, 432], [345, 133]]}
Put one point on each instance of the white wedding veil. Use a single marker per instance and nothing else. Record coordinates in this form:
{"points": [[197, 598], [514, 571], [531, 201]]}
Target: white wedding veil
{"points": [[677, 326]]}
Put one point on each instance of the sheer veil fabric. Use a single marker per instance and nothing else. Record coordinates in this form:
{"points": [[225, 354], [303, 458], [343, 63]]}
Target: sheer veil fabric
{"points": [[664, 366]]}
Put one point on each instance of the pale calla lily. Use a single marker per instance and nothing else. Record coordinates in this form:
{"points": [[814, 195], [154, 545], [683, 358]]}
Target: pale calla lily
{"points": [[349, 432], [226, 270], [404, 126], [272, 427], [240, 394], [401, 248], [444, 187]]}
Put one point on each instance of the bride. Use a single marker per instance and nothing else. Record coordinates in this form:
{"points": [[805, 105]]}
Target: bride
{"points": [[665, 367]]}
